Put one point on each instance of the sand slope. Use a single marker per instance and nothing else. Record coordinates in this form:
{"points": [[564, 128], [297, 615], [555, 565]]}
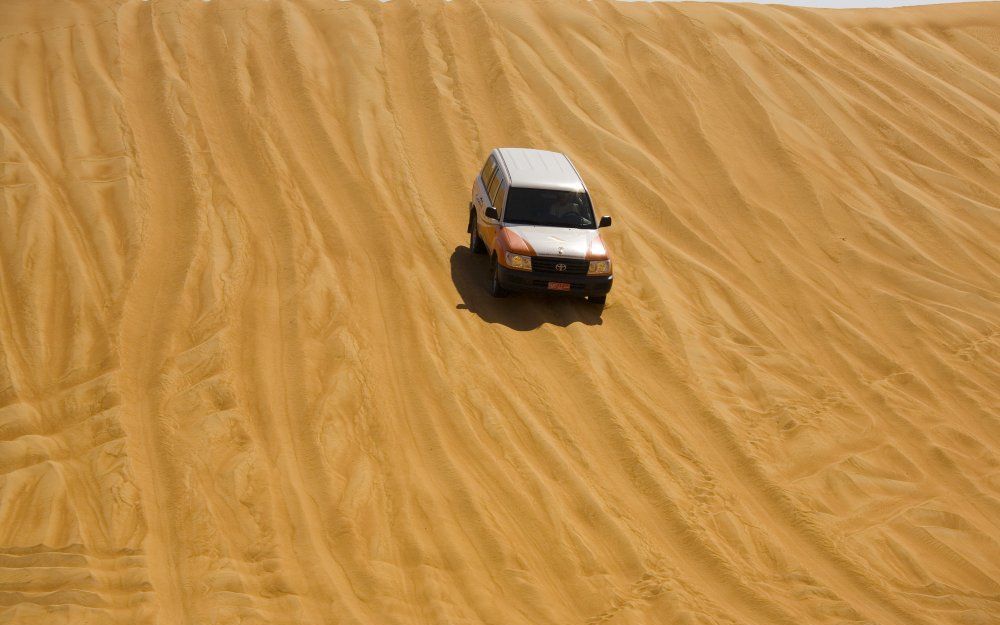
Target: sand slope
{"points": [[249, 372]]}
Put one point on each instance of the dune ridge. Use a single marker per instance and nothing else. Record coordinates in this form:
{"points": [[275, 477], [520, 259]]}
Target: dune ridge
{"points": [[249, 372]]}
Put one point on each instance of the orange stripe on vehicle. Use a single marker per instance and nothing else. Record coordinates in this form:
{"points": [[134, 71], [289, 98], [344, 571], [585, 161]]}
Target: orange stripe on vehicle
{"points": [[513, 242], [597, 251]]}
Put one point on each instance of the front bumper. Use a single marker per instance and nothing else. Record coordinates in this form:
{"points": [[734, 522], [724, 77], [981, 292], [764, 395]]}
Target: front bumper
{"points": [[538, 282]]}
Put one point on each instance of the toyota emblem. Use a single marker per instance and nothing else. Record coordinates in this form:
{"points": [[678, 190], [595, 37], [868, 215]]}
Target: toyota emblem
{"points": [[561, 267]]}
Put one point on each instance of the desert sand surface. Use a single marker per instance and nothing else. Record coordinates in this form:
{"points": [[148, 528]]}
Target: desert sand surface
{"points": [[250, 373]]}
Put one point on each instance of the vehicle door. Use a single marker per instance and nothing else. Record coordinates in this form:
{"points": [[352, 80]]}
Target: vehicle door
{"points": [[500, 200], [492, 226], [480, 194]]}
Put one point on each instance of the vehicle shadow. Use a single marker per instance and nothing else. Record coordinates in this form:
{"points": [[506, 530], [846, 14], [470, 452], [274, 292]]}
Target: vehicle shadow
{"points": [[518, 311]]}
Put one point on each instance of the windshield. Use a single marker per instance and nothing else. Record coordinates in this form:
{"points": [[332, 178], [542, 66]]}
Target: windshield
{"points": [[547, 207]]}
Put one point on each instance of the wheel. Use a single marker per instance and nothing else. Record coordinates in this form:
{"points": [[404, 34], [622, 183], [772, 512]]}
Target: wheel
{"points": [[597, 299], [496, 289], [476, 245]]}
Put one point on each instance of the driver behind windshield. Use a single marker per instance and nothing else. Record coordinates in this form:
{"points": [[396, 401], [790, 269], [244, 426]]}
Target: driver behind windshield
{"points": [[546, 207]]}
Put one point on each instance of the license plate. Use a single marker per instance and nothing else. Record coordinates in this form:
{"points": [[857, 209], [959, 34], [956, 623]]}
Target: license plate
{"points": [[558, 286]]}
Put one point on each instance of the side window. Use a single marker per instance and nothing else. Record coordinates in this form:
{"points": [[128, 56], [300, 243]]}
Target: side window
{"points": [[501, 197], [488, 169], [493, 188]]}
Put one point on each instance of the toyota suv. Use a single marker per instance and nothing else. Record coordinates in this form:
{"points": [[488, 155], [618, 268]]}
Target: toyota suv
{"points": [[531, 212]]}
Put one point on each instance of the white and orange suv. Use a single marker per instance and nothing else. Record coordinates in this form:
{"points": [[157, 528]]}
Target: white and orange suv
{"points": [[531, 213]]}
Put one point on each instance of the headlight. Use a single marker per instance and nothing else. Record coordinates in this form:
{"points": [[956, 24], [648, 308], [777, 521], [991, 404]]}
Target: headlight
{"points": [[599, 268], [516, 261]]}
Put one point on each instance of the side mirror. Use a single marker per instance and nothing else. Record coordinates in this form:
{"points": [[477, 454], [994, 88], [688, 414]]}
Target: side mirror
{"points": [[491, 212], [605, 222]]}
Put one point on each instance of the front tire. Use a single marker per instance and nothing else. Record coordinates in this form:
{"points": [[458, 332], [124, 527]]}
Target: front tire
{"points": [[496, 289], [476, 245]]}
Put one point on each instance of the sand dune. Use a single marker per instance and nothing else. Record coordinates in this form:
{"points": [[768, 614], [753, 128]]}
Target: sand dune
{"points": [[249, 372]]}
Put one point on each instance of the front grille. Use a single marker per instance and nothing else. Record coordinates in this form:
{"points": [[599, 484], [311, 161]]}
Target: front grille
{"points": [[546, 264]]}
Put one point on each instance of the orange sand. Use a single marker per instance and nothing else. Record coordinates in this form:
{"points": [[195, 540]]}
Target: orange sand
{"points": [[249, 372]]}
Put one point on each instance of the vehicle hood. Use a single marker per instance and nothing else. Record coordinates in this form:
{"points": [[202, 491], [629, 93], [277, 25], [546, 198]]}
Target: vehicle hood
{"points": [[566, 242]]}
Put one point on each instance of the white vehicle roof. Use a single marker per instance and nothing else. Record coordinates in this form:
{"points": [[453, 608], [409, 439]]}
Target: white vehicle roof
{"points": [[539, 169]]}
